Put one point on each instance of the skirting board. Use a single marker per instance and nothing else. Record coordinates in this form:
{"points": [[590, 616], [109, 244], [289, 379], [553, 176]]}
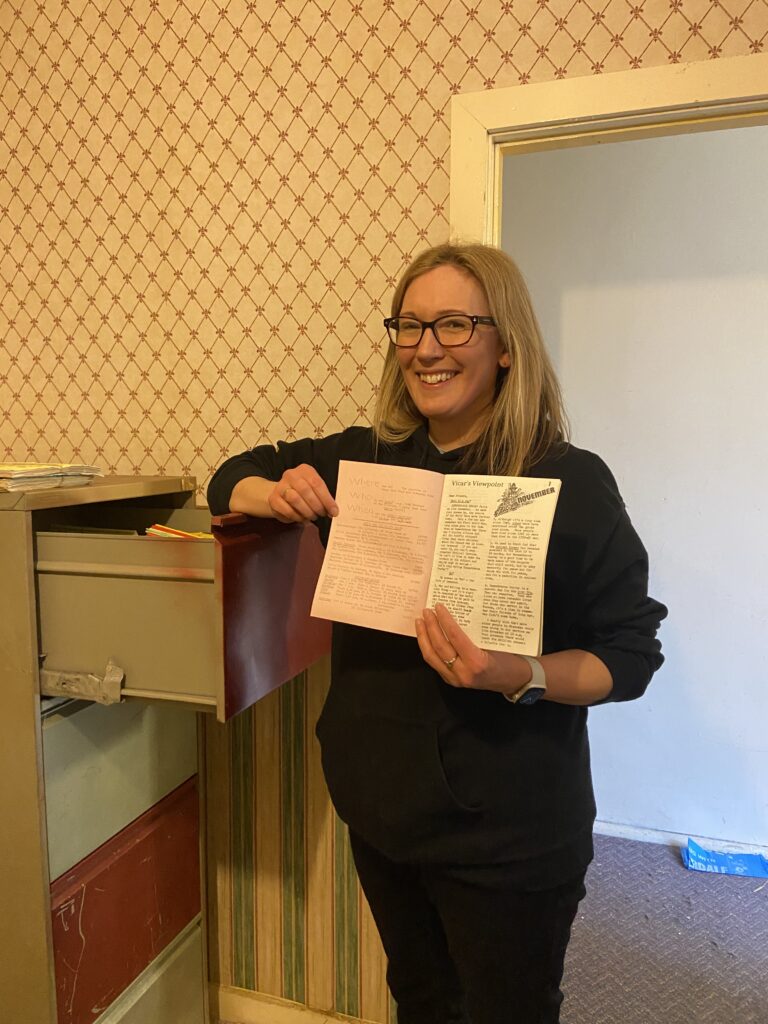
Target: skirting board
{"points": [[239, 1006], [654, 835]]}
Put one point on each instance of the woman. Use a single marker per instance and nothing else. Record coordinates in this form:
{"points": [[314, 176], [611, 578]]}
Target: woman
{"points": [[469, 801]]}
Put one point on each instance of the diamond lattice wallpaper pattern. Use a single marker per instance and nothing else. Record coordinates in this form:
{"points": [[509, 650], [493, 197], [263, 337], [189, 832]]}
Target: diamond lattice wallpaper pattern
{"points": [[204, 206]]}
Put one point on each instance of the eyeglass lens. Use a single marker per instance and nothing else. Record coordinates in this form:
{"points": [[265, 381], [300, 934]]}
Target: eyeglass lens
{"points": [[449, 330]]}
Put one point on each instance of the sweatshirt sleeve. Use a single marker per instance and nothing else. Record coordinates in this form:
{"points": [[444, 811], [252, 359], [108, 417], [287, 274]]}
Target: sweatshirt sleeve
{"points": [[617, 620], [266, 461], [271, 461]]}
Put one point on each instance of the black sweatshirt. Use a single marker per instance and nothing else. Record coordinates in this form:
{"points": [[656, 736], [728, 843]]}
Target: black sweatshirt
{"points": [[427, 772]]}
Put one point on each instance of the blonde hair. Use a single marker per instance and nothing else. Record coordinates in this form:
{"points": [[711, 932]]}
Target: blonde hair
{"points": [[528, 416]]}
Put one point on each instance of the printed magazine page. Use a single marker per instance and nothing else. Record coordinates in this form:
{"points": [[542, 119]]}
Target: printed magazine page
{"points": [[405, 539], [379, 557], [490, 554]]}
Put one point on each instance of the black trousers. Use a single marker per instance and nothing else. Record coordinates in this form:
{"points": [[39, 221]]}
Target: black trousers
{"points": [[465, 945]]}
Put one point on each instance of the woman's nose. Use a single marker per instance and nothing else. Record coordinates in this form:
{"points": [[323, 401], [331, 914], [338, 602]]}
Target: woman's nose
{"points": [[429, 347]]}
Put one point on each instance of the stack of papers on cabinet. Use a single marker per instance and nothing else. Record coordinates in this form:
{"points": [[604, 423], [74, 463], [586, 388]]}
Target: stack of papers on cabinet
{"points": [[41, 476]]}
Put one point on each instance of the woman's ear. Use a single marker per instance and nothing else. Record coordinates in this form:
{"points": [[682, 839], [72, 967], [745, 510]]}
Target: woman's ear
{"points": [[505, 360]]}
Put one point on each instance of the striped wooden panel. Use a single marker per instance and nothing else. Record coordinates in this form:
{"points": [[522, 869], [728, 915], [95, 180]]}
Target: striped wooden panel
{"points": [[294, 888], [288, 897], [319, 860], [242, 873], [266, 887], [346, 925], [373, 987]]}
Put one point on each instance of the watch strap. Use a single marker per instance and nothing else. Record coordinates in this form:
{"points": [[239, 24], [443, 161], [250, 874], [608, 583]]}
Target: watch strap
{"points": [[538, 680]]}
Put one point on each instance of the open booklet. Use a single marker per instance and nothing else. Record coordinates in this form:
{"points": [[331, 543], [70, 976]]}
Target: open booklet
{"points": [[405, 539]]}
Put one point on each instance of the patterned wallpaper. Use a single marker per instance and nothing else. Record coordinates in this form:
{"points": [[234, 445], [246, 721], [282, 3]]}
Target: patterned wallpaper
{"points": [[204, 205], [203, 209]]}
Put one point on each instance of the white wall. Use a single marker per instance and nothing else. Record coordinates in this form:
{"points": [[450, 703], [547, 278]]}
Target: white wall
{"points": [[648, 265]]}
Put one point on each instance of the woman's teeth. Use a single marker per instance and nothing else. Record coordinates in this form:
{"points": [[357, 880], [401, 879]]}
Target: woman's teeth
{"points": [[435, 378]]}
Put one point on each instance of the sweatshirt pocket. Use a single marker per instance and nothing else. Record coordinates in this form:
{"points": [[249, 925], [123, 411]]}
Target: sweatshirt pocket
{"points": [[387, 781]]}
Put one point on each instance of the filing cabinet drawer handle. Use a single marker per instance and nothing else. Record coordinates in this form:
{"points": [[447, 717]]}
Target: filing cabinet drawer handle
{"points": [[143, 572], [104, 689]]}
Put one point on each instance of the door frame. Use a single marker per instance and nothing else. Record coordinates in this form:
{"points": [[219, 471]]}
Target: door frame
{"points": [[623, 105]]}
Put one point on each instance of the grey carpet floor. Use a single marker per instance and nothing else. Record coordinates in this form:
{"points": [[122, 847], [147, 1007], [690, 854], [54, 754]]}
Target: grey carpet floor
{"points": [[654, 943]]}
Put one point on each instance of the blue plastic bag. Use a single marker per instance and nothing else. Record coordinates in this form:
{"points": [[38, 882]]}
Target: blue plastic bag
{"points": [[751, 865]]}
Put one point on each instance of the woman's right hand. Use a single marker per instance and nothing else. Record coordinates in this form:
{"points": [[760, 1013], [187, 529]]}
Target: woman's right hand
{"points": [[301, 496]]}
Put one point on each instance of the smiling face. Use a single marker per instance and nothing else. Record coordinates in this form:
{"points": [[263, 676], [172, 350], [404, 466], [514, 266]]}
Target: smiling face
{"points": [[453, 388]]}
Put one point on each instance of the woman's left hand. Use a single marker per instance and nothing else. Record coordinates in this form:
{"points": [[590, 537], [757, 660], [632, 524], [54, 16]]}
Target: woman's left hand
{"points": [[459, 662]]}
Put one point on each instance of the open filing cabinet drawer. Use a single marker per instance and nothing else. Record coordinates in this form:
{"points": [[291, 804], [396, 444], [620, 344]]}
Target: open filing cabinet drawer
{"points": [[214, 623]]}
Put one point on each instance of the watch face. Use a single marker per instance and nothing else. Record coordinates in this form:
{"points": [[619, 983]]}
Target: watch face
{"points": [[531, 695]]}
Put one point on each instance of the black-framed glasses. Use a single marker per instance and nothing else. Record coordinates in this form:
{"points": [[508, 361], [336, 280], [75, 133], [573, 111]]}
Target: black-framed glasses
{"points": [[450, 331]]}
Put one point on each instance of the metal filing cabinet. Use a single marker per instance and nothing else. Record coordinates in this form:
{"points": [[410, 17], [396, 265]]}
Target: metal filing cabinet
{"points": [[91, 608]]}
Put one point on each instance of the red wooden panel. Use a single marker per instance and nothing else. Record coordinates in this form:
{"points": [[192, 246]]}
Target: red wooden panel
{"points": [[268, 573], [119, 907]]}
